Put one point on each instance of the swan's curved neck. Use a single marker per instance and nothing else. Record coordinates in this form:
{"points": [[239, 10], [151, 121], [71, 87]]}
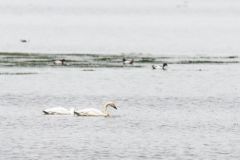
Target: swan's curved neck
{"points": [[105, 109]]}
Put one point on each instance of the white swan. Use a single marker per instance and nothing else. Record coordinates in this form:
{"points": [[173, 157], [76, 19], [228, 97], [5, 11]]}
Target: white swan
{"points": [[59, 62], [95, 112], [155, 66], [59, 111]]}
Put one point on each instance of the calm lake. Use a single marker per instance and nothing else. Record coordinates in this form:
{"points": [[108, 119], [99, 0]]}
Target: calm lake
{"points": [[189, 111]]}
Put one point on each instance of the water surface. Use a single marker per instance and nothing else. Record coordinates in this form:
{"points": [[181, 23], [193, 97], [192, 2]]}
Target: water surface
{"points": [[190, 111]]}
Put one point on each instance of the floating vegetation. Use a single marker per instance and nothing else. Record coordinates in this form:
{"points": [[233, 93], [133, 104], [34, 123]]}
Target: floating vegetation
{"points": [[205, 62], [88, 70], [233, 57], [17, 73], [104, 60], [146, 60]]}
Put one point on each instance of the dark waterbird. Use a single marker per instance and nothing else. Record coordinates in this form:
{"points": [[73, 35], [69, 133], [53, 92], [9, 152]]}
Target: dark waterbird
{"points": [[23, 40], [155, 66], [59, 62], [125, 61]]}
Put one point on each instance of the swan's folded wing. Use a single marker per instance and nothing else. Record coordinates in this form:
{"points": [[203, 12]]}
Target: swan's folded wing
{"points": [[56, 110], [89, 112]]}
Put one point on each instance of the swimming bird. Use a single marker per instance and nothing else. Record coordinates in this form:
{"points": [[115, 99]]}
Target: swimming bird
{"points": [[127, 61], [59, 62], [155, 66], [59, 111], [23, 40], [96, 112]]}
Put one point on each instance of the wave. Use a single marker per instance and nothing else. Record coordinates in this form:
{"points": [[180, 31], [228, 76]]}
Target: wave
{"points": [[105, 60]]}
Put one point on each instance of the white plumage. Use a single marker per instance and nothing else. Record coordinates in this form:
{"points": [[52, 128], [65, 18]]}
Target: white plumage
{"points": [[59, 111], [95, 112]]}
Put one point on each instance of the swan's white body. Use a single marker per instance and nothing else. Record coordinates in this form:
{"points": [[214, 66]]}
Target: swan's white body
{"points": [[59, 111], [95, 112], [90, 112]]}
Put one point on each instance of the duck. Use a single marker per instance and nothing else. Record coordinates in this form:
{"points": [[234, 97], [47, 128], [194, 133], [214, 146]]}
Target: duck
{"points": [[23, 40], [131, 61], [95, 112], [59, 62], [59, 111], [155, 66]]}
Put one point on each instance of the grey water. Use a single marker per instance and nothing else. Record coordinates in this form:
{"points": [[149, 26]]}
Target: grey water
{"points": [[189, 111], [109, 26]]}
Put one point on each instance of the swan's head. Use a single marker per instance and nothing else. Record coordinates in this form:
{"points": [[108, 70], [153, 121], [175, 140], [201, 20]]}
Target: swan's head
{"points": [[111, 104]]}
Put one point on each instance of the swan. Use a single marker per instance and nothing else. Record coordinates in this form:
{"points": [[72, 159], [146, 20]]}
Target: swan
{"points": [[127, 61], [96, 112], [59, 62], [59, 111], [154, 66]]}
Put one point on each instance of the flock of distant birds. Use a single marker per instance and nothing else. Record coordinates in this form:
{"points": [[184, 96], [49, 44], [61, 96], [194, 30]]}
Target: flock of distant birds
{"points": [[124, 61]]}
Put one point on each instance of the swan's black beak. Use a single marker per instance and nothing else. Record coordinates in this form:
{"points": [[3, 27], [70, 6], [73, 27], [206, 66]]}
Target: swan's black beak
{"points": [[114, 107]]}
